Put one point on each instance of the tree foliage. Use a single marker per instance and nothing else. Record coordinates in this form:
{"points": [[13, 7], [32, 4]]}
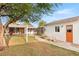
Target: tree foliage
{"points": [[42, 23], [25, 12]]}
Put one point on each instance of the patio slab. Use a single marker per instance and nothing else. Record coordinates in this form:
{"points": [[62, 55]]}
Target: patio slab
{"points": [[60, 44]]}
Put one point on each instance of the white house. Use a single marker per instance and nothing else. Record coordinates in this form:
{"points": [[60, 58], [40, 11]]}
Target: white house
{"points": [[18, 27], [14, 28], [66, 30]]}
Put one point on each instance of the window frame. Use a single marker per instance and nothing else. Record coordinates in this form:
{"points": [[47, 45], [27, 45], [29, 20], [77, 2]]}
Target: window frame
{"points": [[57, 28]]}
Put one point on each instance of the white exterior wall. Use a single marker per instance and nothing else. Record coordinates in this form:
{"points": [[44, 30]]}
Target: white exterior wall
{"points": [[28, 32], [50, 31], [76, 33]]}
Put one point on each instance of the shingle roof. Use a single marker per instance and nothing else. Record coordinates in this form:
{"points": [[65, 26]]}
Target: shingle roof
{"points": [[64, 20]]}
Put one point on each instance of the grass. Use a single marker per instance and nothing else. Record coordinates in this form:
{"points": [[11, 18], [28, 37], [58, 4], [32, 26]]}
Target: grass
{"points": [[16, 40], [32, 39], [36, 48]]}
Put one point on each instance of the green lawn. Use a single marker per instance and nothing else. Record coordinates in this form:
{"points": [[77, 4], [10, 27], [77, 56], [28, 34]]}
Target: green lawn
{"points": [[36, 48]]}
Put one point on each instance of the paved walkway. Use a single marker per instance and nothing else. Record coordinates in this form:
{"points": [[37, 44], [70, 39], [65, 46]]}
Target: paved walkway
{"points": [[60, 44]]}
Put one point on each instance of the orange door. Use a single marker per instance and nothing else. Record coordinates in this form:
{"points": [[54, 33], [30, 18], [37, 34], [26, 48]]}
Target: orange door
{"points": [[69, 33]]}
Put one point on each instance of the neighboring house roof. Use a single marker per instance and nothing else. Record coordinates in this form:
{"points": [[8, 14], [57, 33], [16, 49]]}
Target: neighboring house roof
{"points": [[17, 25], [30, 26], [20, 25], [64, 20]]}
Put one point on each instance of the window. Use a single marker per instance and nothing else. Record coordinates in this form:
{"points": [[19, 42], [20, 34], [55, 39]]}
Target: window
{"points": [[69, 28], [57, 29]]}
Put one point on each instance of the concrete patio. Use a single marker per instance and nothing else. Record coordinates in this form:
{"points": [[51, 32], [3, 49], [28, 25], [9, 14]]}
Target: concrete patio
{"points": [[60, 44]]}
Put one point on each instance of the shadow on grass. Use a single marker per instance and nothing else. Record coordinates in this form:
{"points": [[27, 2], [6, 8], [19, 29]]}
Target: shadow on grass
{"points": [[37, 49]]}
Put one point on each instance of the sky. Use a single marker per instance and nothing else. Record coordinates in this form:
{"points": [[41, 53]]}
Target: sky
{"points": [[63, 11], [4, 19]]}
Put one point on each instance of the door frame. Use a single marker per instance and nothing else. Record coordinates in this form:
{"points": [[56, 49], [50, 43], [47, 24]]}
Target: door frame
{"points": [[72, 33]]}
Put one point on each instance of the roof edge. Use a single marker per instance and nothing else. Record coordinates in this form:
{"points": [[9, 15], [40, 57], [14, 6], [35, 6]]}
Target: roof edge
{"points": [[64, 20]]}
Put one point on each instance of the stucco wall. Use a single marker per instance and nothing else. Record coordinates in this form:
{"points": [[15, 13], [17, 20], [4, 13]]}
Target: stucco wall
{"points": [[50, 32], [76, 33]]}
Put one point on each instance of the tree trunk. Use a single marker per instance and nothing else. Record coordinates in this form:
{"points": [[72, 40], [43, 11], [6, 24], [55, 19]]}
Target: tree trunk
{"points": [[2, 41], [6, 36]]}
